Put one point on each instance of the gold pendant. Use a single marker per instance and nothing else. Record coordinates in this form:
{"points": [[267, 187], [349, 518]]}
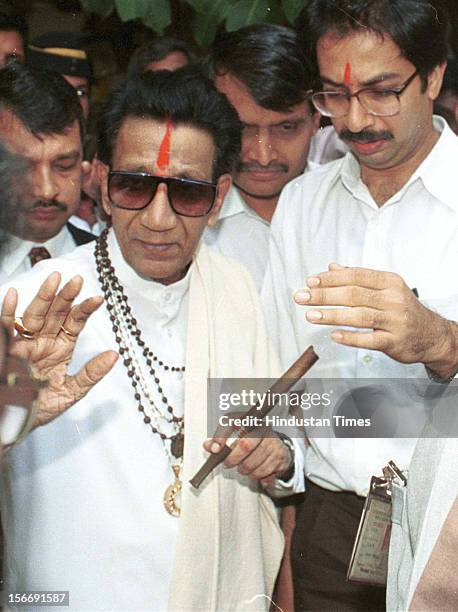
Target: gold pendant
{"points": [[172, 496]]}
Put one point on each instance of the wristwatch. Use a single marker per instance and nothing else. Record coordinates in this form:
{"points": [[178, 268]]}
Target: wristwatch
{"points": [[289, 443]]}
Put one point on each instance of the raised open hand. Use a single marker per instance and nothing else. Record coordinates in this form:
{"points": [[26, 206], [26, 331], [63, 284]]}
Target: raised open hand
{"points": [[48, 332]]}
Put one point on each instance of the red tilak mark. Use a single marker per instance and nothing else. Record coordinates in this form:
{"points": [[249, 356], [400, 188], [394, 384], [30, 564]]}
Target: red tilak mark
{"points": [[347, 74], [163, 157]]}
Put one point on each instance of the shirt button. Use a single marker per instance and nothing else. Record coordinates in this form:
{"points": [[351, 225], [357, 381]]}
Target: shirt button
{"points": [[180, 375], [169, 333], [167, 296], [367, 359]]}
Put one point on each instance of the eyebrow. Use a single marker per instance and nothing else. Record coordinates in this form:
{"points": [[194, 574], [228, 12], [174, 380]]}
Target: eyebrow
{"points": [[72, 155], [143, 170], [379, 78]]}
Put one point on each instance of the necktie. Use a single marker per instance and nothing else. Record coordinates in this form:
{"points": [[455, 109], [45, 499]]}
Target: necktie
{"points": [[38, 254]]}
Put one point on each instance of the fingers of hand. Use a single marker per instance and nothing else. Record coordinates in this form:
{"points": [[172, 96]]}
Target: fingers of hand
{"points": [[376, 341], [9, 309], [91, 373], [270, 458], [61, 306], [35, 313], [241, 450], [362, 277], [351, 317], [214, 445], [77, 317], [341, 296]]}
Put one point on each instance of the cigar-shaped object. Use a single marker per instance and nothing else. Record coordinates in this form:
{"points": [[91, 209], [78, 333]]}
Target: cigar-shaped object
{"points": [[300, 367]]}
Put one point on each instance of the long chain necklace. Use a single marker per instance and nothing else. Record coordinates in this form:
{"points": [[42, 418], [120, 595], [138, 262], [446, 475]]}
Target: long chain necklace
{"points": [[127, 335]]}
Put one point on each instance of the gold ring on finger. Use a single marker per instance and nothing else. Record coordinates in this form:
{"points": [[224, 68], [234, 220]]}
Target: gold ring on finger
{"points": [[68, 333], [21, 330]]}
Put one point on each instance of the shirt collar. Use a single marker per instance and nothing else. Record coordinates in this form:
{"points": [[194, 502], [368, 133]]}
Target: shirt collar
{"points": [[233, 204], [18, 249], [434, 171], [158, 293]]}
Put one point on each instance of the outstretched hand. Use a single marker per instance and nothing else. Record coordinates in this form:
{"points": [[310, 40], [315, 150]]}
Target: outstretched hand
{"points": [[55, 324], [395, 321]]}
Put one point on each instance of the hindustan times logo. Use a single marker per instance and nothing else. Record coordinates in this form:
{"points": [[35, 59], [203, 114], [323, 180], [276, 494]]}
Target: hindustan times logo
{"points": [[246, 399]]}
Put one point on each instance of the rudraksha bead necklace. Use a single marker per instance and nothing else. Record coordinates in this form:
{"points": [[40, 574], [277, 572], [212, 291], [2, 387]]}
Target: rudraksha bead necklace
{"points": [[126, 330]]}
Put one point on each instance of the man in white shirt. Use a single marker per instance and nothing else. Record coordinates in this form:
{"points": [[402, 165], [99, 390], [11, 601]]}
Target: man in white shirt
{"points": [[97, 490], [265, 74], [385, 221], [41, 120]]}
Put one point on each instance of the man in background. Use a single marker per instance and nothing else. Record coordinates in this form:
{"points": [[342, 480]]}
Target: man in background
{"points": [[161, 53], [41, 120], [265, 73], [64, 53]]}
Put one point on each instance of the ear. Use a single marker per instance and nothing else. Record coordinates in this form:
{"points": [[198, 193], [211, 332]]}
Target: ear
{"points": [[91, 181], [102, 175], [224, 184], [435, 78], [316, 118]]}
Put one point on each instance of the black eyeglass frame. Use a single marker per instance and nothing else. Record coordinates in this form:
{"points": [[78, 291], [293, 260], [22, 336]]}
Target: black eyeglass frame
{"points": [[397, 91], [168, 180]]}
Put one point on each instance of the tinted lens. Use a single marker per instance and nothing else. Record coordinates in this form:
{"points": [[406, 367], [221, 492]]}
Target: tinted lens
{"points": [[131, 191], [191, 199]]}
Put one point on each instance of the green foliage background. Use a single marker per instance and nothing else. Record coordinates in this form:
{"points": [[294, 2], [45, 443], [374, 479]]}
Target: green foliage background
{"points": [[207, 15]]}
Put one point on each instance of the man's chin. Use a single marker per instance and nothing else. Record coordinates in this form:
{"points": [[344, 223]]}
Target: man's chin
{"points": [[260, 192]]}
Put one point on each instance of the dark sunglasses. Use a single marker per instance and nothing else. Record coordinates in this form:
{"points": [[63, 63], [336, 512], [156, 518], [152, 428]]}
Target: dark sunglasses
{"points": [[135, 190]]}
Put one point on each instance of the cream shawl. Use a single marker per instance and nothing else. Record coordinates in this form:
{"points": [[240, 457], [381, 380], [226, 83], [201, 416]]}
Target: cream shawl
{"points": [[229, 546]]}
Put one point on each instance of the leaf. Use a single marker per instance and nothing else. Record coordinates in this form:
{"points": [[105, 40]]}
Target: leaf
{"points": [[103, 8], [200, 6], [275, 14], [158, 16], [205, 25], [246, 12], [292, 8], [132, 9]]}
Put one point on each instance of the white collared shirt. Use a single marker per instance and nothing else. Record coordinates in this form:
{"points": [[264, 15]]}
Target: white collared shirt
{"points": [[328, 215], [242, 234], [16, 257]]}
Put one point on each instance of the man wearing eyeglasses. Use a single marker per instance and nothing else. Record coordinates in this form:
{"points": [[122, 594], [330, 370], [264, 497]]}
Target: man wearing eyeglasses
{"points": [[105, 485], [363, 233]]}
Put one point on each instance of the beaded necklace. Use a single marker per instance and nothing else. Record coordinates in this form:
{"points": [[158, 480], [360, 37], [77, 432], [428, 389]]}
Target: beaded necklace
{"points": [[127, 335]]}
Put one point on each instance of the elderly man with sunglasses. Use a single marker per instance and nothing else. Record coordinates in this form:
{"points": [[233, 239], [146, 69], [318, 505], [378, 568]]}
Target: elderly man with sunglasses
{"points": [[104, 488]]}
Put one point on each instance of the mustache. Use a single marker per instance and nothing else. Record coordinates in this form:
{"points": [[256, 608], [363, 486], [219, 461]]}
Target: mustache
{"points": [[365, 136], [255, 167], [49, 204]]}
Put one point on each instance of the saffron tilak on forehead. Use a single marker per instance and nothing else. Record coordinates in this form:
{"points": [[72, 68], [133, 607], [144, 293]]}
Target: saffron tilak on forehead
{"points": [[347, 74], [163, 157]]}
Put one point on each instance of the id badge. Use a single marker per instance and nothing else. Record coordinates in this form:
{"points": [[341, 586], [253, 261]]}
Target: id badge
{"points": [[369, 559]]}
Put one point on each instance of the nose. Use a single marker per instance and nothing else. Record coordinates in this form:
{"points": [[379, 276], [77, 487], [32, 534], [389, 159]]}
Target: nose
{"points": [[44, 184], [358, 118], [260, 147], [159, 215]]}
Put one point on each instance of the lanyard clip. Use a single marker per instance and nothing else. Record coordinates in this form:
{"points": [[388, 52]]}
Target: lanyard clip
{"points": [[392, 473]]}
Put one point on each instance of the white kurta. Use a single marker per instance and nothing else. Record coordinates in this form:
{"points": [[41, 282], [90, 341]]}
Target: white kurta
{"points": [[82, 496]]}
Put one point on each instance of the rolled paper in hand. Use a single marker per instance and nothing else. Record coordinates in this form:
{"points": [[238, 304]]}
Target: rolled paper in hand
{"points": [[299, 368]]}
